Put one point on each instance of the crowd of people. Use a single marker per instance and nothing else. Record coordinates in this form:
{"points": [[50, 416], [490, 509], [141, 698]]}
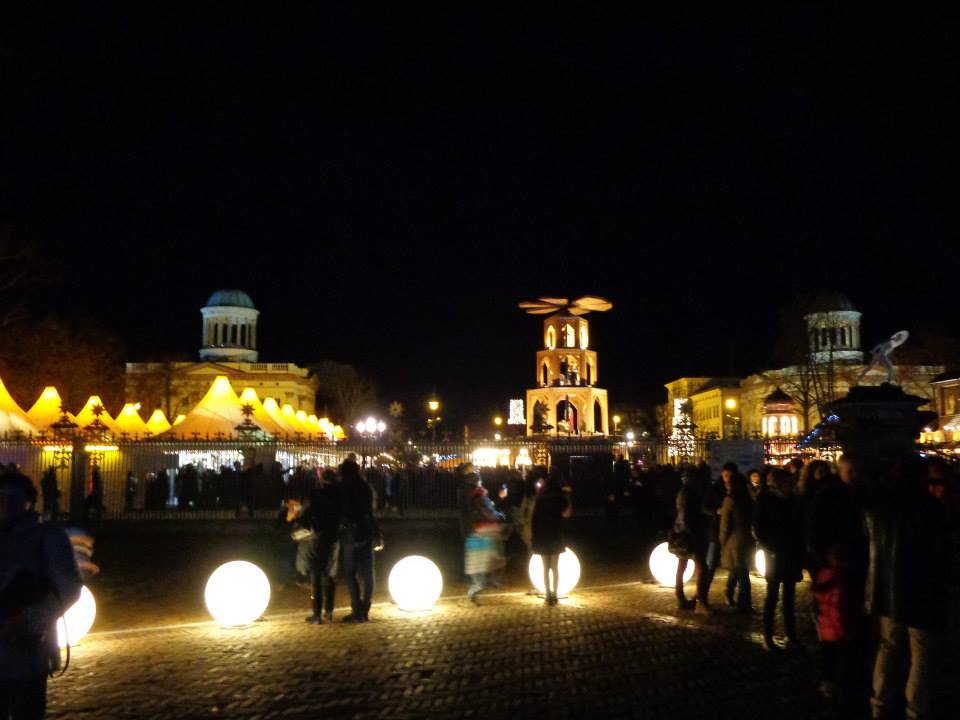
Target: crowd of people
{"points": [[878, 546]]}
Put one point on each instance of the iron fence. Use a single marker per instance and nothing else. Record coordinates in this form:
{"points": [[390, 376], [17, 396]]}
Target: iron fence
{"points": [[159, 479]]}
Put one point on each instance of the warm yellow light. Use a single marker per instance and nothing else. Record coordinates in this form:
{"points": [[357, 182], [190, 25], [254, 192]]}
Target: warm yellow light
{"points": [[58, 448], [663, 566], [77, 621], [569, 571], [100, 448], [731, 403], [760, 562], [179, 419], [434, 405], [498, 421], [237, 593], [415, 583], [616, 419]]}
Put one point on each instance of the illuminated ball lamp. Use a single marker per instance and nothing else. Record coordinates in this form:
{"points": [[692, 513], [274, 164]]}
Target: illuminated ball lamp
{"points": [[568, 567], [237, 593], [663, 566], [77, 621], [415, 583]]}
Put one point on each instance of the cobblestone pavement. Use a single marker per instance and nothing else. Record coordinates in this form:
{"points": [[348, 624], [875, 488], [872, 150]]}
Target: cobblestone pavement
{"points": [[616, 651]]}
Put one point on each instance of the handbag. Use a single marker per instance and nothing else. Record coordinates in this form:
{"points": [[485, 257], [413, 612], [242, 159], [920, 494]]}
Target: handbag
{"points": [[680, 543]]}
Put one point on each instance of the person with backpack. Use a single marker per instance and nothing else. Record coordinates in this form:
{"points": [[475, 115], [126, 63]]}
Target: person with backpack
{"points": [[39, 581]]}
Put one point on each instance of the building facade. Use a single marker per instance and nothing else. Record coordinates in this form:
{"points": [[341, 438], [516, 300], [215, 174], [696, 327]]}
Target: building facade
{"points": [[834, 363], [228, 347]]}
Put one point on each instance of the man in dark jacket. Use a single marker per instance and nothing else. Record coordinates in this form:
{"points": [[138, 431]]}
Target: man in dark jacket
{"points": [[690, 528], [324, 510], [39, 581], [359, 537], [907, 588]]}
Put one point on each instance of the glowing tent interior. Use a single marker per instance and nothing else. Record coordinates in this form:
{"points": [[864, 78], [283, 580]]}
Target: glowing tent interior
{"points": [[216, 416], [87, 415], [158, 422], [12, 417], [130, 422], [46, 410], [261, 417]]}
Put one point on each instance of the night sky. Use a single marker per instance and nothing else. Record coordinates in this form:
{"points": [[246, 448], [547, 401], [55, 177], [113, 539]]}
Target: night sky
{"points": [[388, 184]]}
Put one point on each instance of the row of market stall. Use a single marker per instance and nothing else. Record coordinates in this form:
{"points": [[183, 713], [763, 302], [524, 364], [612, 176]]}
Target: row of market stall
{"points": [[220, 415]]}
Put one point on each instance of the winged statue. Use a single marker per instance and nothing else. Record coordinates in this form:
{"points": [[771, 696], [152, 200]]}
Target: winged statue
{"points": [[580, 306]]}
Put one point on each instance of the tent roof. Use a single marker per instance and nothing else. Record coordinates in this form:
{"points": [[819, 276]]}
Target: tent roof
{"points": [[86, 416], [261, 417], [46, 410], [217, 414], [12, 416], [273, 410], [130, 422], [158, 422]]}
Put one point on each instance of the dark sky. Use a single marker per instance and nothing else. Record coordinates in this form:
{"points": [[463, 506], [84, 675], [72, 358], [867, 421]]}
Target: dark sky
{"points": [[387, 184]]}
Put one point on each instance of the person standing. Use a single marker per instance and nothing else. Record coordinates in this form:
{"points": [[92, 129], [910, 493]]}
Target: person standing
{"points": [[39, 580], [690, 540], [316, 526], [778, 526], [907, 589], [550, 510], [736, 540], [50, 493], [359, 538], [713, 498], [483, 547], [130, 494], [837, 557]]}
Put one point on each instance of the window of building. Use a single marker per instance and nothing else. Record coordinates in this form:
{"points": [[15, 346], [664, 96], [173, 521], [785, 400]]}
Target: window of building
{"points": [[569, 336]]}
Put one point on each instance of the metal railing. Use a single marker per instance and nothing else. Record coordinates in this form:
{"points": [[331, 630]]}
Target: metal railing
{"points": [[157, 479]]}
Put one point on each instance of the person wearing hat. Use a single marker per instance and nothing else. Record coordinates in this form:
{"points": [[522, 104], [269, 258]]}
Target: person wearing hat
{"points": [[39, 581]]}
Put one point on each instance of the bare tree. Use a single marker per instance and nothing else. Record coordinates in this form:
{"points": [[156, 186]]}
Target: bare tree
{"points": [[343, 389]]}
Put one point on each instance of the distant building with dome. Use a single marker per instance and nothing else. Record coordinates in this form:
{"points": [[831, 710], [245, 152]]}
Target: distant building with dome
{"points": [[228, 347], [785, 402]]}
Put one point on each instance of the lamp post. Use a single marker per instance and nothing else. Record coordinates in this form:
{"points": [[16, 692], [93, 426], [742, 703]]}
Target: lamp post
{"points": [[434, 406], [616, 424]]}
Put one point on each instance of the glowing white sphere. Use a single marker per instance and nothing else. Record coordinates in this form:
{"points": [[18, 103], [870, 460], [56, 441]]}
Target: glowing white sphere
{"points": [[760, 561], [568, 568], [237, 593], [77, 621], [663, 566], [415, 583]]}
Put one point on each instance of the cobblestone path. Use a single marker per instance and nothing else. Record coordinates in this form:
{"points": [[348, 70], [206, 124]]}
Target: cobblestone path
{"points": [[616, 651]]}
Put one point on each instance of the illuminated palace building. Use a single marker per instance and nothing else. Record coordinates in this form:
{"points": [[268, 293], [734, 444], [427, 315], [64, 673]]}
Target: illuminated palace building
{"points": [[784, 402], [229, 347]]}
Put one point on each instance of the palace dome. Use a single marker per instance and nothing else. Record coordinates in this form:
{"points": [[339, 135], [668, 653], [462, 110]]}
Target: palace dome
{"points": [[830, 301], [230, 298]]}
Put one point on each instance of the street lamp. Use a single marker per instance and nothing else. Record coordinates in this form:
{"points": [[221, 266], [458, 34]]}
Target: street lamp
{"points": [[616, 424], [434, 406], [731, 403], [498, 421]]}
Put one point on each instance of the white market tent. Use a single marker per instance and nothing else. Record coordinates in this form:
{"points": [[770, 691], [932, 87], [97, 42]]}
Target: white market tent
{"points": [[46, 410], [273, 410], [12, 417], [261, 417], [158, 422], [130, 422], [87, 416], [217, 415]]}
